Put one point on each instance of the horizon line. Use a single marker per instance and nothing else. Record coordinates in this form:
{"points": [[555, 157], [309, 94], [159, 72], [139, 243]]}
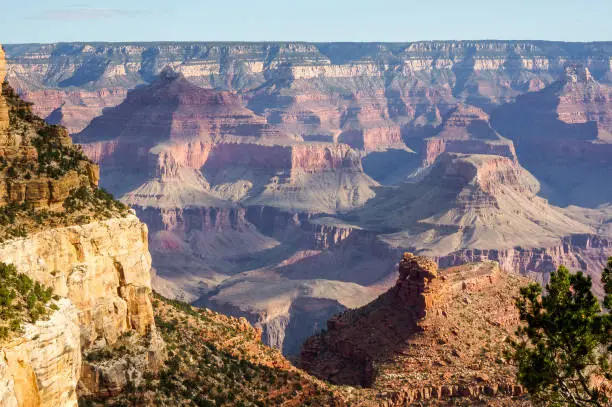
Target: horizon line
{"points": [[304, 41]]}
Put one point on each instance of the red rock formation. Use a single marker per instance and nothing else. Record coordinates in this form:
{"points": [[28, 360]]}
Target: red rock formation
{"points": [[467, 130], [577, 252], [177, 141], [173, 109], [352, 362], [421, 340]]}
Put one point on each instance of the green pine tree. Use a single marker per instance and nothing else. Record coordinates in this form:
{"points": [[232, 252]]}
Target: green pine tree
{"points": [[606, 279], [563, 350]]}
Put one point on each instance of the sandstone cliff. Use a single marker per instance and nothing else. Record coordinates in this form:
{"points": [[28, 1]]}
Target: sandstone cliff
{"points": [[61, 231], [102, 267], [41, 367]]}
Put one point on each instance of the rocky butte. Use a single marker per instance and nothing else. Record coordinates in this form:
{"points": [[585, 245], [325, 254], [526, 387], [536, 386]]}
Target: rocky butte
{"points": [[323, 162], [435, 336]]}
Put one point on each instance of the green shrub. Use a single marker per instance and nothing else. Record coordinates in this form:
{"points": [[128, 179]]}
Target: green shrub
{"points": [[99, 201], [21, 300]]}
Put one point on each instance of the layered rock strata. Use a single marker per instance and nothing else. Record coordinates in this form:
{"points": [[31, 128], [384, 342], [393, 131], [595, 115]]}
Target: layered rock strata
{"points": [[312, 87], [467, 130], [194, 134], [563, 135]]}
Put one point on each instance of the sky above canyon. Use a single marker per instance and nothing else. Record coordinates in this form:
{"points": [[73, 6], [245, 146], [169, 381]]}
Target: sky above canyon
{"points": [[307, 20]]}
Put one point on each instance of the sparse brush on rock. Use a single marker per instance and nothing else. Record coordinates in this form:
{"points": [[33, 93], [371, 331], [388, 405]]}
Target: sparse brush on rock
{"points": [[214, 360], [55, 158], [21, 301], [98, 201], [45, 180]]}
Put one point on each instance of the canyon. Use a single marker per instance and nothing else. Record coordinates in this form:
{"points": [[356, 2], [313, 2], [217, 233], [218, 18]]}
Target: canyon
{"points": [[280, 181]]}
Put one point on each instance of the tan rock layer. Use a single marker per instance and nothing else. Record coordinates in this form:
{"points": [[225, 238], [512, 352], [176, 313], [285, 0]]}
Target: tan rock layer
{"points": [[103, 267], [43, 192], [41, 368]]}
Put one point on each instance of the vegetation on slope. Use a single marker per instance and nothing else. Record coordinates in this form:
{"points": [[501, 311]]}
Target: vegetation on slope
{"points": [[21, 301], [55, 153], [38, 154], [215, 360]]}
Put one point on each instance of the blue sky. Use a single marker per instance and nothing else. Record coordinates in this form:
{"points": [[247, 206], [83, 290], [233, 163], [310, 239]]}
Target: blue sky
{"points": [[311, 20]]}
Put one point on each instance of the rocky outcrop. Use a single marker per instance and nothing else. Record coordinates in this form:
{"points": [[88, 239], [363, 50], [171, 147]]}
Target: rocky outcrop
{"points": [[420, 341], [353, 364], [43, 365], [121, 366], [40, 166], [46, 191]]}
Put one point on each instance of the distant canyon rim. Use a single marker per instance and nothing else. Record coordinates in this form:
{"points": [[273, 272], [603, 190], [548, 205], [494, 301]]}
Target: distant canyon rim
{"points": [[281, 181]]}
